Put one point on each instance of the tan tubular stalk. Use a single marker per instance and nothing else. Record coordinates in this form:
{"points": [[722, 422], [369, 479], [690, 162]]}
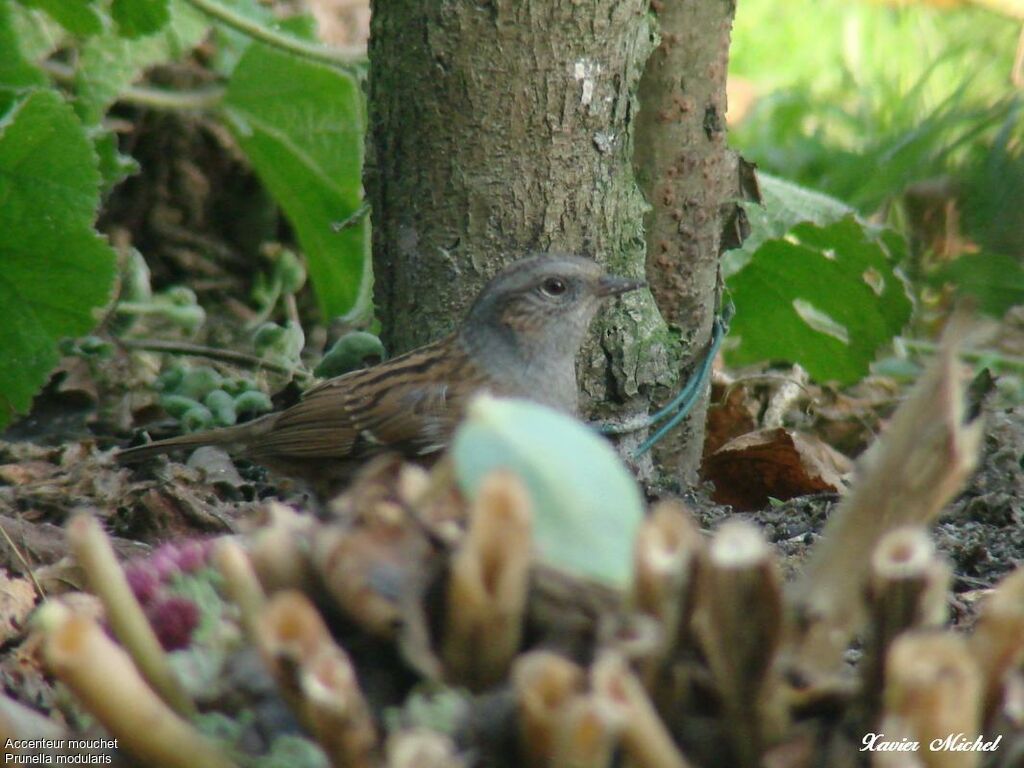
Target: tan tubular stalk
{"points": [[933, 693], [316, 678], [997, 643], [103, 678], [644, 736], [921, 461], [241, 582], [94, 553], [487, 585], [668, 546], [421, 748], [279, 550], [906, 590], [586, 734], [739, 622], [337, 712], [545, 684]]}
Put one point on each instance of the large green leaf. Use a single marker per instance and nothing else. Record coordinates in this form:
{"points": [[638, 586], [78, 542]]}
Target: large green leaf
{"points": [[301, 125], [55, 270], [16, 72], [108, 62], [586, 505], [825, 297]]}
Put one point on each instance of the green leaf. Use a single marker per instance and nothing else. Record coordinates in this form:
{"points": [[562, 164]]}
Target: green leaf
{"points": [[114, 166], [824, 297], [136, 18], [37, 35], [783, 206], [354, 350], [301, 125], [108, 63], [16, 72], [586, 505], [79, 17], [994, 280], [56, 270]]}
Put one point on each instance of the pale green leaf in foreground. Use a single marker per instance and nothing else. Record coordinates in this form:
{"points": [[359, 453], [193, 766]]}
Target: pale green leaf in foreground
{"points": [[586, 505], [55, 270]]}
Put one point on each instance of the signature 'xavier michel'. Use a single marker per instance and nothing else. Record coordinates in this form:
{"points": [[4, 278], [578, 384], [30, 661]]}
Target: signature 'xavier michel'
{"points": [[520, 338]]}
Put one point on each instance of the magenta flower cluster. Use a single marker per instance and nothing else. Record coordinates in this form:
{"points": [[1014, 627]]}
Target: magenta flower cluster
{"points": [[174, 617]]}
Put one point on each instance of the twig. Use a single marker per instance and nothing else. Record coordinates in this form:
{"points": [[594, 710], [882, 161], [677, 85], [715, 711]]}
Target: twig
{"points": [[344, 57], [24, 563], [162, 98], [158, 98], [352, 219], [223, 355]]}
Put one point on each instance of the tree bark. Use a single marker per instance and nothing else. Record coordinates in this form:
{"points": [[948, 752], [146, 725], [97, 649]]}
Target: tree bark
{"points": [[690, 178], [501, 128], [504, 127]]}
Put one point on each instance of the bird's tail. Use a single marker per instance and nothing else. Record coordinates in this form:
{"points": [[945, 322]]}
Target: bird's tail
{"points": [[238, 435]]}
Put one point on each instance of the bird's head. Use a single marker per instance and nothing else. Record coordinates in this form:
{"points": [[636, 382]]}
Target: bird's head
{"points": [[542, 306]]}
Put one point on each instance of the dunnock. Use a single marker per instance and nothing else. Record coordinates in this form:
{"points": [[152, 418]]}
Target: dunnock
{"points": [[520, 338]]}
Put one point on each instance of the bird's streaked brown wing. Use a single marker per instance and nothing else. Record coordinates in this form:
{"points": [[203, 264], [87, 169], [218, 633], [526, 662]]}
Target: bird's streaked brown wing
{"points": [[402, 405]]}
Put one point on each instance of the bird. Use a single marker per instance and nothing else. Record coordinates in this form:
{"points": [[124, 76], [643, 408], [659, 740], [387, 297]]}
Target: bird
{"points": [[520, 338]]}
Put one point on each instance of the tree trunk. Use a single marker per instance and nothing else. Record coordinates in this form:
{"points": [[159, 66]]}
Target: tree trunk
{"points": [[690, 178], [502, 128]]}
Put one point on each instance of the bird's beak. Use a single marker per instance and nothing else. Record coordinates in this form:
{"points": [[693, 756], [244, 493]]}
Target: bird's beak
{"points": [[613, 285]]}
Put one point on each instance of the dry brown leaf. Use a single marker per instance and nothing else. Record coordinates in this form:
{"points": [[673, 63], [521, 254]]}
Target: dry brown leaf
{"points": [[17, 599], [731, 415], [773, 463], [26, 472]]}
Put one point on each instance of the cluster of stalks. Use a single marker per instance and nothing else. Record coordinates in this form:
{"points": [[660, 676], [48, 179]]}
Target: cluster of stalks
{"points": [[710, 658]]}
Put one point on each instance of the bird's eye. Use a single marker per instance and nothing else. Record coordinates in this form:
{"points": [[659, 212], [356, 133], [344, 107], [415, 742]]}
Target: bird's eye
{"points": [[553, 286]]}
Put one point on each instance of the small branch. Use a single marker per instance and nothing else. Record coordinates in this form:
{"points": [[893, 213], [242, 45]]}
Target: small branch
{"points": [[161, 98], [997, 643], [223, 355], [739, 622], [24, 563], [350, 221], [241, 581], [343, 57], [158, 98]]}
